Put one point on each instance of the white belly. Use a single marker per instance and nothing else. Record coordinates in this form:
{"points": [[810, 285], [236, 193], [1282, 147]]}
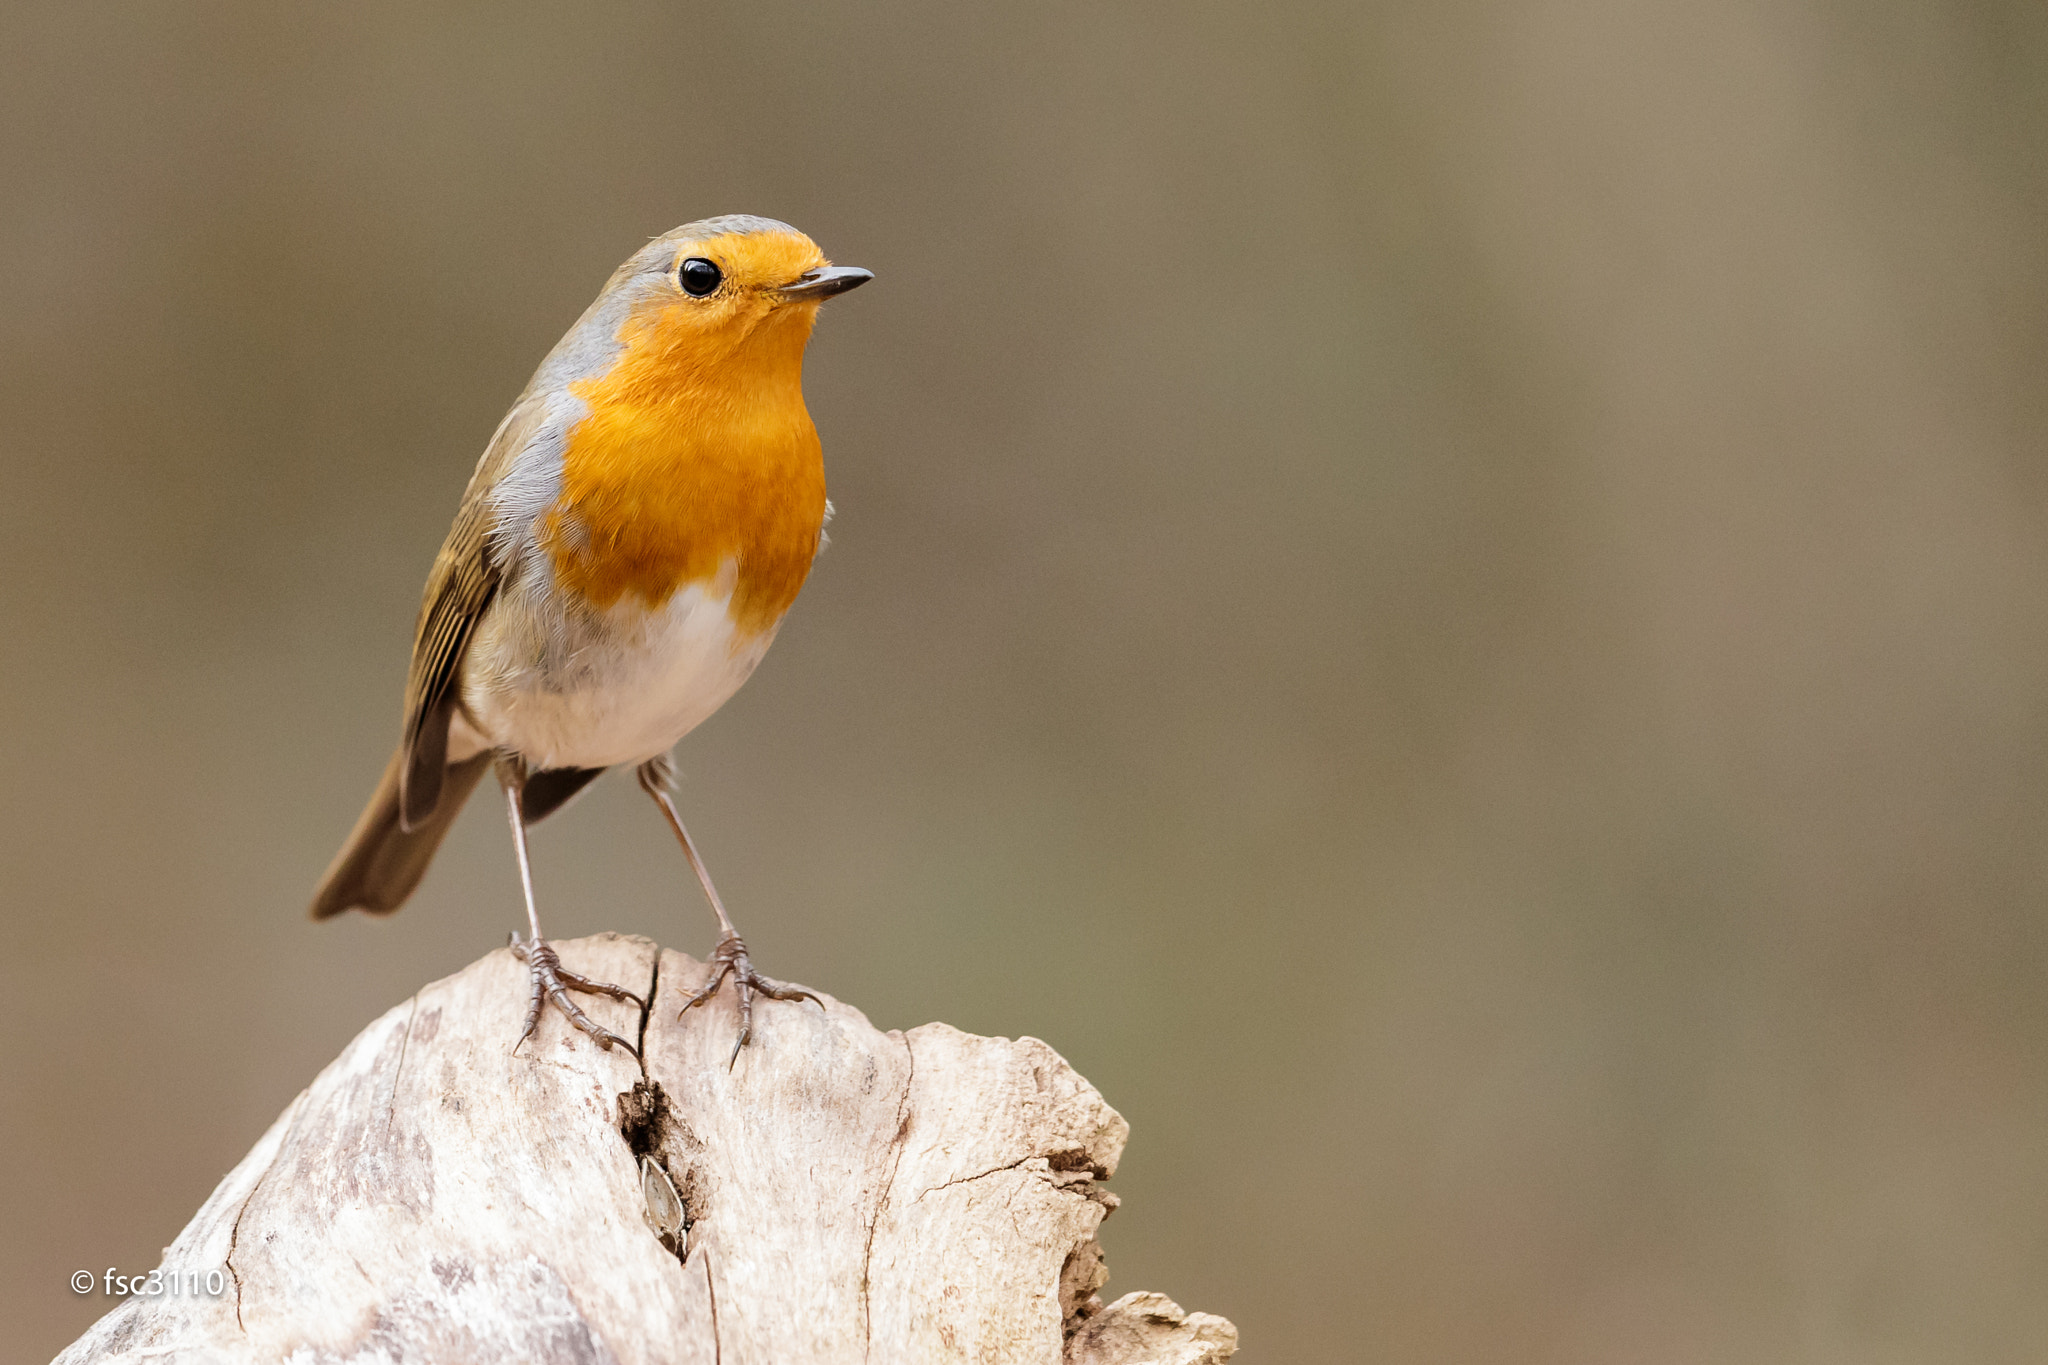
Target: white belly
{"points": [[595, 690]]}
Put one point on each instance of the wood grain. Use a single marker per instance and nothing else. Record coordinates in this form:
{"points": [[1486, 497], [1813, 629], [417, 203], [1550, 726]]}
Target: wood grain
{"points": [[851, 1195]]}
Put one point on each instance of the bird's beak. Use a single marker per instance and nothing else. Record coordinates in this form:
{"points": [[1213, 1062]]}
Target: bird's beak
{"points": [[824, 282]]}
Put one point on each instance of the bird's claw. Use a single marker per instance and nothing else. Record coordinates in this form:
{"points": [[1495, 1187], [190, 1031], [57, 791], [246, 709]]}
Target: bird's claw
{"points": [[552, 981], [730, 958]]}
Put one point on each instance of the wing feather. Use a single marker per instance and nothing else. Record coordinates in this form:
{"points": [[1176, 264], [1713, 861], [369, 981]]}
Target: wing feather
{"points": [[465, 577]]}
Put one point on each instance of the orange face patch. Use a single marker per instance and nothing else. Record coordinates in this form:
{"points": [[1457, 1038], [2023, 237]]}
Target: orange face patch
{"points": [[756, 259], [698, 449]]}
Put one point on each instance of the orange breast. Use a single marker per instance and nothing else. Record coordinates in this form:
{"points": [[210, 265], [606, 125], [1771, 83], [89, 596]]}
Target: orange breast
{"points": [[697, 450]]}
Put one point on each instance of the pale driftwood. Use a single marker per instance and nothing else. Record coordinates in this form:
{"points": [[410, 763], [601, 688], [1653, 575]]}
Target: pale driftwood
{"points": [[853, 1195]]}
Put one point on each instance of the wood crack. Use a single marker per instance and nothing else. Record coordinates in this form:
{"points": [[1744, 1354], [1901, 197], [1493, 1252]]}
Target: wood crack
{"points": [[896, 1146], [391, 1105], [235, 1228], [711, 1292], [981, 1175], [646, 1013]]}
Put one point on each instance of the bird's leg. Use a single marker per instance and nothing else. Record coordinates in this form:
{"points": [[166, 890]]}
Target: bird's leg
{"points": [[550, 979], [729, 958]]}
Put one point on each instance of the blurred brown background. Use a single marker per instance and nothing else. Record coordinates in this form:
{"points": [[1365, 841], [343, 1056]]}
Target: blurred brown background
{"points": [[1450, 598]]}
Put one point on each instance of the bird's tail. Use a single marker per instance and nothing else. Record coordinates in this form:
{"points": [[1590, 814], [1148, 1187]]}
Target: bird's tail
{"points": [[383, 861]]}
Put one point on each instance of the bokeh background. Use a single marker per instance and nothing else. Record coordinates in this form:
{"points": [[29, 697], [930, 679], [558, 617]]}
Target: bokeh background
{"points": [[1450, 597]]}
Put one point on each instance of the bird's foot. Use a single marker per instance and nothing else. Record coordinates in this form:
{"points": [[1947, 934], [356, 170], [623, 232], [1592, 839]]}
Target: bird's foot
{"points": [[729, 958], [552, 981]]}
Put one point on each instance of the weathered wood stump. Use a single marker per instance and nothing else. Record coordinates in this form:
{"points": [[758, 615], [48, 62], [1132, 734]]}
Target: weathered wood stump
{"points": [[849, 1195]]}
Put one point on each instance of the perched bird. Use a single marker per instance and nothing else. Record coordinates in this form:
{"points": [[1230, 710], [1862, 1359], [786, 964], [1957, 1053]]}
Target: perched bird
{"points": [[621, 560]]}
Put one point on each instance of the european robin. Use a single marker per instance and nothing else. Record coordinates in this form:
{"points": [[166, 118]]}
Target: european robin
{"points": [[624, 553]]}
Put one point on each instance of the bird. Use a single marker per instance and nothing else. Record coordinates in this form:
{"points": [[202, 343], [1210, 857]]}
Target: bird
{"points": [[625, 551]]}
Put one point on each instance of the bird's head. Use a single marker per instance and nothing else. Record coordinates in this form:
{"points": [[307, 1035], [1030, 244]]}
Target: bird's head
{"points": [[736, 291]]}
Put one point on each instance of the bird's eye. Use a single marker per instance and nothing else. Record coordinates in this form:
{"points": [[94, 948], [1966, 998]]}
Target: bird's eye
{"points": [[699, 277]]}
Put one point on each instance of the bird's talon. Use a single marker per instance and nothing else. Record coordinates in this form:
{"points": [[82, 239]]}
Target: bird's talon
{"points": [[552, 981], [729, 959]]}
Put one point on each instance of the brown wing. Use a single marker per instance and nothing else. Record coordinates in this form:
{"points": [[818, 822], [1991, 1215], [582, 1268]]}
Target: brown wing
{"points": [[464, 579]]}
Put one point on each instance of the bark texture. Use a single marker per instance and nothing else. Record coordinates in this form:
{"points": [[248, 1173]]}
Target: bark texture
{"points": [[837, 1194]]}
